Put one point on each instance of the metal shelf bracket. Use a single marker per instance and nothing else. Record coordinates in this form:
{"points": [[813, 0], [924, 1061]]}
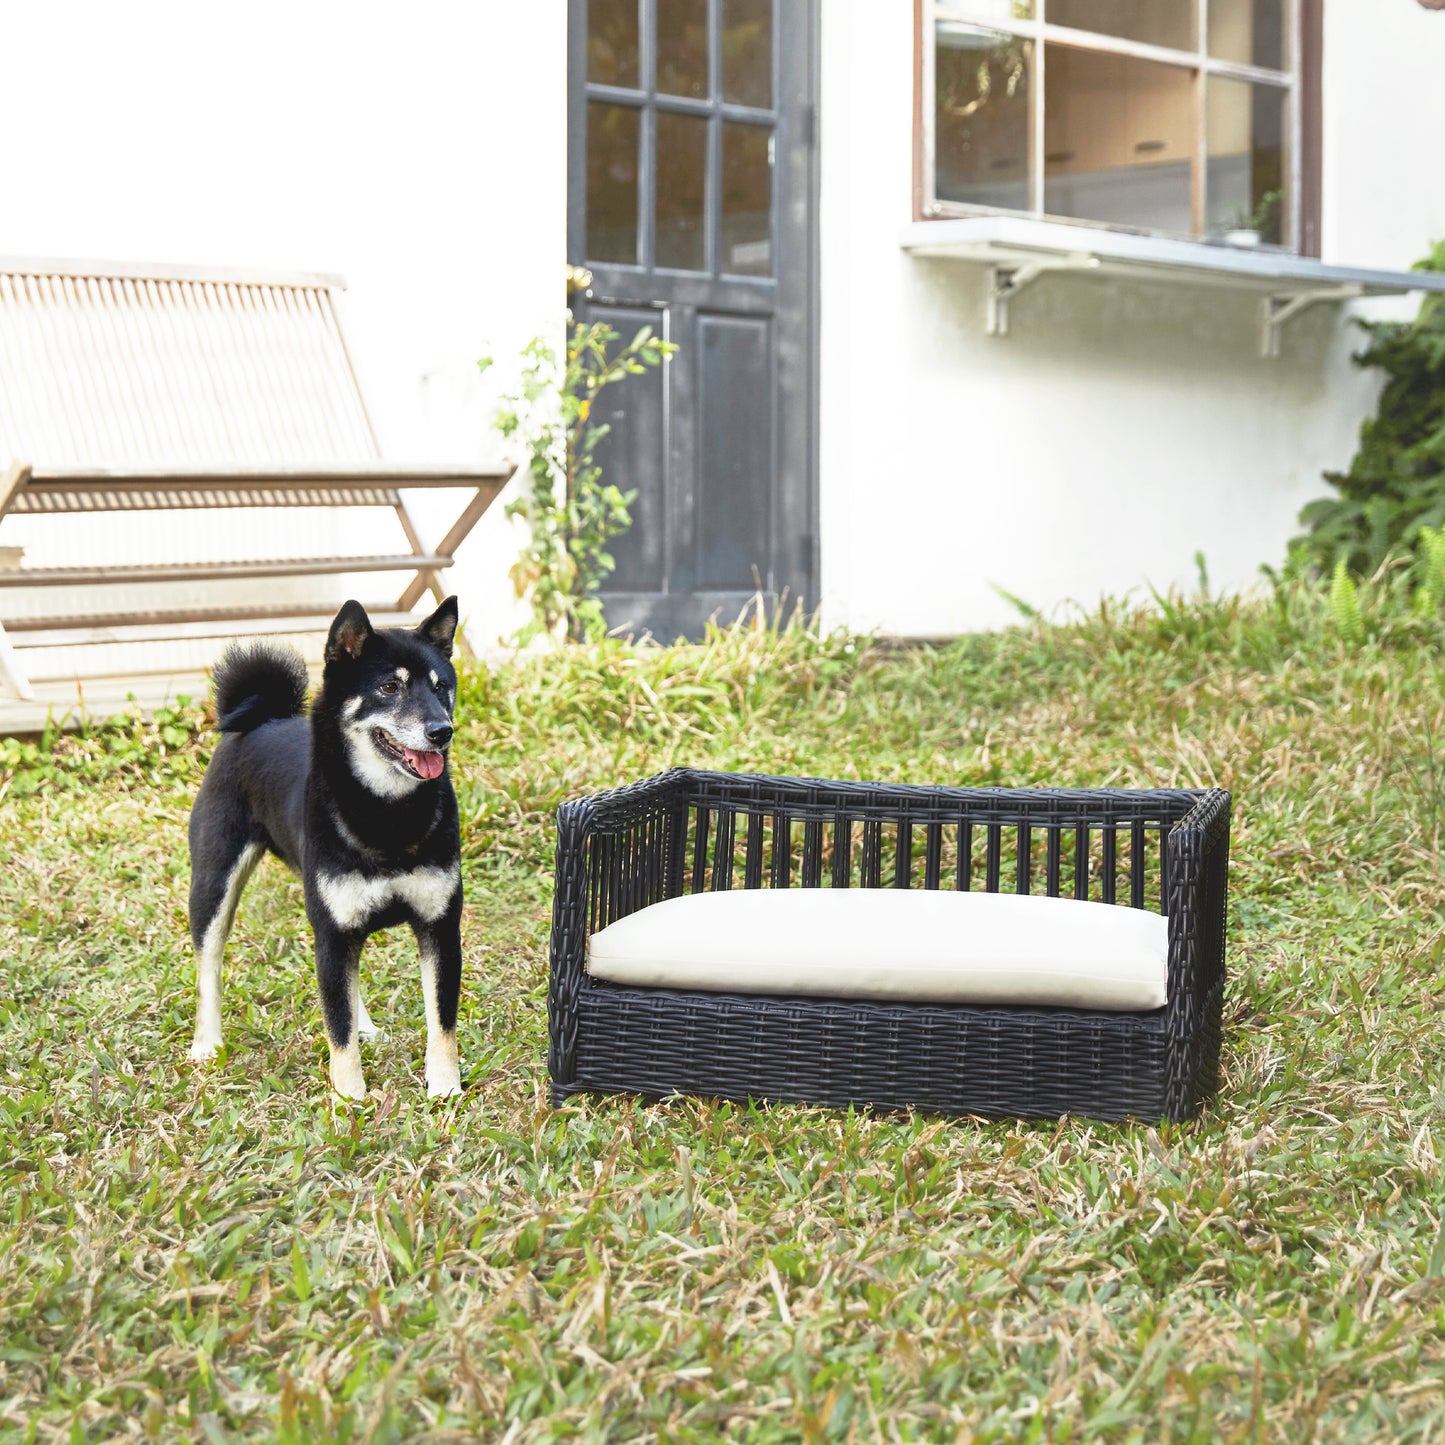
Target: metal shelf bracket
{"points": [[1279, 307], [1006, 281]]}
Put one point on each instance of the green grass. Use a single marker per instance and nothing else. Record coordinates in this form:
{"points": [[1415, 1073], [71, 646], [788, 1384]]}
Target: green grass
{"points": [[207, 1253]]}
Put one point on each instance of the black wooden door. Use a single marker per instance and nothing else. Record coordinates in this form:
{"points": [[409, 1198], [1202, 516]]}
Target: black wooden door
{"points": [[691, 203]]}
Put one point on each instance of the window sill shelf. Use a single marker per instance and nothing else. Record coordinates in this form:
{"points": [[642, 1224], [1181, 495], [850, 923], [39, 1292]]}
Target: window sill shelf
{"points": [[1017, 250]]}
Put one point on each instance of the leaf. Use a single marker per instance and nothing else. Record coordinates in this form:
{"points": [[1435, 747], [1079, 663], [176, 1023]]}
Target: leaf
{"points": [[1345, 606], [1436, 1264], [1025, 610], [300, 1275]]}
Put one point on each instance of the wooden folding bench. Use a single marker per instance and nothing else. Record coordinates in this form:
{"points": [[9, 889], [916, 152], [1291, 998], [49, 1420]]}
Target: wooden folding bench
{"points": [[58, 493], [172, 390]]}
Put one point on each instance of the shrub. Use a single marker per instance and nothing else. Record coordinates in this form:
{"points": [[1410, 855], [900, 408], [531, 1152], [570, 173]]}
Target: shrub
{"points": [[1395, 486]]}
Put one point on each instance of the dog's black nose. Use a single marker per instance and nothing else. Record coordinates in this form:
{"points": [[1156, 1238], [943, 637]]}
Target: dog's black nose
{"points": [[441, 735]]}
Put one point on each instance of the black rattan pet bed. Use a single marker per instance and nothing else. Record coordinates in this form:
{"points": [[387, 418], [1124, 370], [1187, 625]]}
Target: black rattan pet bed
{"points": [[689, 831]]}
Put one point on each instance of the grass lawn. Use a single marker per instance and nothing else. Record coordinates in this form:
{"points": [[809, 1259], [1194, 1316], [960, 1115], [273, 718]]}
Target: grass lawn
{"points": [[212, 1252]]}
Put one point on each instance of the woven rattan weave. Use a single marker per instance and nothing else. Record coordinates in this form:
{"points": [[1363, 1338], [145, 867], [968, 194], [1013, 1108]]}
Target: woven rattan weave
{"points": [[687, 831]]}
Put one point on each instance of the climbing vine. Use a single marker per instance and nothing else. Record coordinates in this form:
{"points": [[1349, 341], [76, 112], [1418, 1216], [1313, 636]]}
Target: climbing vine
{"points": [[572, 512]]}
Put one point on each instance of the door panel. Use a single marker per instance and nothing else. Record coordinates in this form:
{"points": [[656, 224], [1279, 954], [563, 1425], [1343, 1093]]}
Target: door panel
{"points": [[735, 393], [633, 455], [691, 201]]}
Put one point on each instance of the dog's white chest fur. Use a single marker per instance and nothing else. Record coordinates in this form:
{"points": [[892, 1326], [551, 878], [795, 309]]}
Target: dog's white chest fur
{"points": [[352, 898]]}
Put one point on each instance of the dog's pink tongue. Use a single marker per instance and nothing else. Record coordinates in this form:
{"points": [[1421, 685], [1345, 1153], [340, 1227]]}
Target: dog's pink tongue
{"points": [[428, 765]]}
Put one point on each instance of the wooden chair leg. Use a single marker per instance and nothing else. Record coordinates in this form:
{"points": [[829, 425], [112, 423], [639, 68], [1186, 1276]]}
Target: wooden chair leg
{"points": [[12, 675], [13, 475], [485, 495], [427, 578]]}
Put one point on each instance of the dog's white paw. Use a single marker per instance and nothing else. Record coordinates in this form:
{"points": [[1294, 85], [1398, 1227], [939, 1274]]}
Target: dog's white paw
{"points": [[443, 1066], [370, 1033], [346, 1076], [202, 1051]]}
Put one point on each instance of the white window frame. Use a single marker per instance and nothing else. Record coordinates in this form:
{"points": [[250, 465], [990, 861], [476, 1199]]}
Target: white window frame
{"points": [[1040, 31]]}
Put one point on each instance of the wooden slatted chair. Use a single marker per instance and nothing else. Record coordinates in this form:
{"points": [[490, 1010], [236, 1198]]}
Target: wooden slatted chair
{"points": [[170, 391]]}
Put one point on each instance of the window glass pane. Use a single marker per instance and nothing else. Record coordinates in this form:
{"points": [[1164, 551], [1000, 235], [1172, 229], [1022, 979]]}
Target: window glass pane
{"points": [[1245, 190], [747, 46], [681, 172], [682, 47], [612, 42], [995, 12], [1250, 32], [1151, 22], [1118, 140], [612, 182], [747, 185], [982, 116]]}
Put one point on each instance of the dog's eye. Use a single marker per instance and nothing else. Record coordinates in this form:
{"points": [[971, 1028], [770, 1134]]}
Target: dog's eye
{"points": [[438, 687], [390, 687]]}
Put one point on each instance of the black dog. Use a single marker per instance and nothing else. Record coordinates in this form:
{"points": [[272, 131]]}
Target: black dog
{"points": [[358, 801]]}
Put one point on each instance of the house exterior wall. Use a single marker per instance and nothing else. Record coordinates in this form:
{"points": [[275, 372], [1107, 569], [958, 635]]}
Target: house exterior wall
{"points": [[1121, 426], [423, 157]]}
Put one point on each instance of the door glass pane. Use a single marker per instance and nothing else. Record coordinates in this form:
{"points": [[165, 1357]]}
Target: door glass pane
{"points": [[1118, 140], [681, 171], [1152, 22], [612, 42], [682, 47], [1244, 195], [1248, 31], [982, 81], [747, 52], [747, 184], [612, 132]]}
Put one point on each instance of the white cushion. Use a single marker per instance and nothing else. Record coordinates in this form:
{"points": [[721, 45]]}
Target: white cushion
{"points": [[893, 943]]}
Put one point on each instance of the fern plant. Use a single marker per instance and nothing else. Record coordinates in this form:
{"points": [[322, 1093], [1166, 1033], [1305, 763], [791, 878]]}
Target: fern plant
{"points": [[1429, 571], [1345, 605]]}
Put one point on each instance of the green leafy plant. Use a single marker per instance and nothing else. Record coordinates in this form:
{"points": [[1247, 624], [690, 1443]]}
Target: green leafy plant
{"points": [[1345, 605], [571, 512], [1429, 571], [1395, 485], [1263, 219]]}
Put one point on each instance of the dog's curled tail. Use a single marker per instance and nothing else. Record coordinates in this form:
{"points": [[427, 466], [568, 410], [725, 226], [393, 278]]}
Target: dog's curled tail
{"points": [[257, 682]]}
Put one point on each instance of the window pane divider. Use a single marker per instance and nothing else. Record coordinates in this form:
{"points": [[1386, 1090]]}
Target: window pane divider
{"points": [[686, 105], [617, 95], [1037, 30], [712, 216], [1199, 101], [1037, 162], [681, 104]]}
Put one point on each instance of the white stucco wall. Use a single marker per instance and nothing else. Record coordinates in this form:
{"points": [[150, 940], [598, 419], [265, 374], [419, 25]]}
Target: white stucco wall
{"points": [[420, 152], [1120, 426]]}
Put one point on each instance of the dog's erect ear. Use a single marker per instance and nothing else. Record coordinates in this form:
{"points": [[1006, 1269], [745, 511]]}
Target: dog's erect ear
{"points": [[441, 627], [349, 632]]}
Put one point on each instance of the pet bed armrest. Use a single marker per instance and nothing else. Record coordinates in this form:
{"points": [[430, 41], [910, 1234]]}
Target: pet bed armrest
{"points": [[616, 852], [1197, 906]]}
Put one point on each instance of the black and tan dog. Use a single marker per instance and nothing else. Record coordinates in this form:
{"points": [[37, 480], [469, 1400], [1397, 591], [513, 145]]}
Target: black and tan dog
{"points": [[358, 801]]}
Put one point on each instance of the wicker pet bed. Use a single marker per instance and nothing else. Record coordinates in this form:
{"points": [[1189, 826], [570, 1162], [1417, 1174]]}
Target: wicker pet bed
{"points": [[688, 831]]}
